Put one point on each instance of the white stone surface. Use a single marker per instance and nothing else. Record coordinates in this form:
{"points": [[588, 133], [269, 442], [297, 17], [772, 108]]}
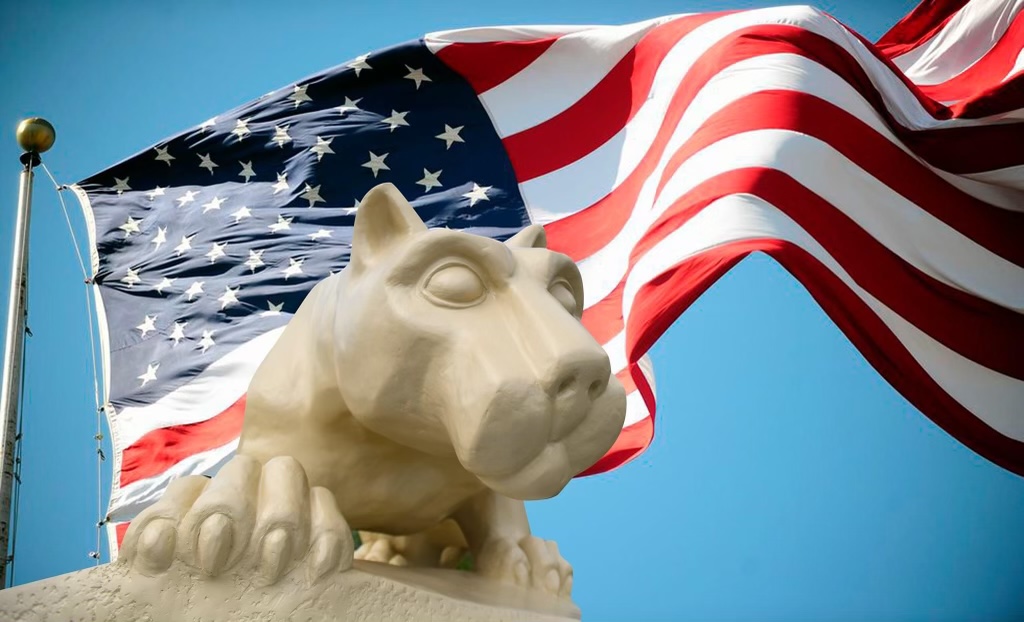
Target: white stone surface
{"points": [[369, 592]]}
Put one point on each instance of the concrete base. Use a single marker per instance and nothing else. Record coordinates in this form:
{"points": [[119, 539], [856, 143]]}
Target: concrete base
{"points": [[369, 591]]}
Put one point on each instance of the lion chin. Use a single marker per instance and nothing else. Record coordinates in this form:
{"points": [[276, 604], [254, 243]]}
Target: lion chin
{"points": [[548, 471]]}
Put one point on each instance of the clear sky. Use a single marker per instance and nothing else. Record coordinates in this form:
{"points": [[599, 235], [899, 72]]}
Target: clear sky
{"points": [[787, 481]]}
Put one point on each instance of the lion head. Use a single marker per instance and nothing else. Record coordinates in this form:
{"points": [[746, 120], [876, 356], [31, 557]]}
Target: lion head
{"points": [[448, 342]]}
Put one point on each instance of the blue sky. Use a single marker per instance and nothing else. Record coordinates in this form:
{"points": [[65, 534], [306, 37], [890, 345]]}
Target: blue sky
{"points": [[788, 481]]}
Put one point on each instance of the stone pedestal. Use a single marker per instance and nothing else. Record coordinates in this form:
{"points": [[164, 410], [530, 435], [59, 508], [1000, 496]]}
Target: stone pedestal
{"points": [[369, 591]]}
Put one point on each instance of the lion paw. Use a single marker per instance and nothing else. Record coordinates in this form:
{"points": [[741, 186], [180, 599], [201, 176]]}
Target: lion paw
{"points": [[530, 563], [381, 550], [265, 517]]}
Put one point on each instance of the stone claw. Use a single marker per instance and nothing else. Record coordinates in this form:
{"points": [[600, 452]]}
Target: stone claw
{"points": [[249, 515], [530, 563]]}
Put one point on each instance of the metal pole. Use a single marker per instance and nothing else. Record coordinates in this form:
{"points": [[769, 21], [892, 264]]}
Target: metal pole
{"points": [[35, 136]]}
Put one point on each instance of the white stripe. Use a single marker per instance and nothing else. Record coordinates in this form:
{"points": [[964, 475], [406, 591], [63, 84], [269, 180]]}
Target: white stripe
{"points": [[993, 397], [919, 238], [578, 185], [615, 348], [572, 74], [490, 34], [207, 395], [636, 409], [1011, 177], [1018, 66], [560, 76], [137, 496], [965, 39]]}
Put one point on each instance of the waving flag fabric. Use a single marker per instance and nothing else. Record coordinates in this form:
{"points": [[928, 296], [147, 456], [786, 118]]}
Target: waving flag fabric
{"points": [[887, 178]]}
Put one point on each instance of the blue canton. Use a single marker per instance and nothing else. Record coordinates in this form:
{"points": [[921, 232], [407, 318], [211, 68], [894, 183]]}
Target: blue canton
{"points": [[214, 236]]}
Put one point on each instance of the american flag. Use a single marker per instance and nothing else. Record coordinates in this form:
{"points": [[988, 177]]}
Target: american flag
{"points": [[888, 178]]}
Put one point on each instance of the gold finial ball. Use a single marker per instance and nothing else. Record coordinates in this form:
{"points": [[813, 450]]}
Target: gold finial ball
{"points": [[36, 135]]}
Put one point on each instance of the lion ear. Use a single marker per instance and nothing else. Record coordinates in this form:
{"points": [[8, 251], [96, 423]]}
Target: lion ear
{"points": [[530, 237], [384, 219]]}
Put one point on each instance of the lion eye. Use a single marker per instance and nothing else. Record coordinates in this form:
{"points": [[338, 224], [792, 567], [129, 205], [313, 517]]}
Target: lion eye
{"points": [[455, 285], [564, 296]]}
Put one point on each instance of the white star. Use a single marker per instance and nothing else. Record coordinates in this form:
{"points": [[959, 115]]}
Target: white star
{"points": [[247, 171], [351, 210], [186, 245], [188, 197], [349, 105], [163, 156], [178, 332], [478, 193], [281, 224], [156, 192], [376, 164], [147, 325], [207, 124], [396, 119], [294, 267], [150, 373], [360, 64], [131, 278], [281, 135], [241, 129], [272, 309], [207, 162], [312, 195], [299, 95], [217, 251], [194, 290], [121, 185], [450, 135], [130, 226], [417, 76], [430, 180], [164, 284], [255, 260], [229, 297], [282, 183], [213, 204], [321, 233], [322, 147], [160, 237], [240, 213], [207, 341]]}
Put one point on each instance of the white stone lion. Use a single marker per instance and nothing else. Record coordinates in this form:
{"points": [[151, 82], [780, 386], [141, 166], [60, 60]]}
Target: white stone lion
{"points": [[440, 375]]}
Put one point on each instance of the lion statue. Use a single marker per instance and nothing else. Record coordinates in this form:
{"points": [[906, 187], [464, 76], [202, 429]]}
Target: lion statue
{"points": [[421, 393]]}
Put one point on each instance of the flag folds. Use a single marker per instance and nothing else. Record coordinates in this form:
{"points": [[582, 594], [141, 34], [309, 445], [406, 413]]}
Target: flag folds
{"points": [[888, 178]]}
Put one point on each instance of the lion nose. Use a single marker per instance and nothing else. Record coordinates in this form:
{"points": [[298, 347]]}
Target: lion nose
{"points": [[580, 380]]}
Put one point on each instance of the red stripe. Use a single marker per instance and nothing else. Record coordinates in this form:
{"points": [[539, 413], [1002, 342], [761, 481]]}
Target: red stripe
{"points": [[119, 530], [977, 329], [660, 302], [987, 73], [602, 112], [604, 318], [632, 442], [161, 449], [583, 233], [959, 150], [920, 25], [1007, 97], [996, 229], [486, 65]]}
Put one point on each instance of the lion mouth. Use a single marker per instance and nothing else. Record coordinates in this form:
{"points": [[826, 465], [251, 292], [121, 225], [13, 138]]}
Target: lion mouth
{"points": [[563, 456], [542, 478]]}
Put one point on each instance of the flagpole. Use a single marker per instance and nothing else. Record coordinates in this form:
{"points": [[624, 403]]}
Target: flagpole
{"points": [[35, 136]]}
